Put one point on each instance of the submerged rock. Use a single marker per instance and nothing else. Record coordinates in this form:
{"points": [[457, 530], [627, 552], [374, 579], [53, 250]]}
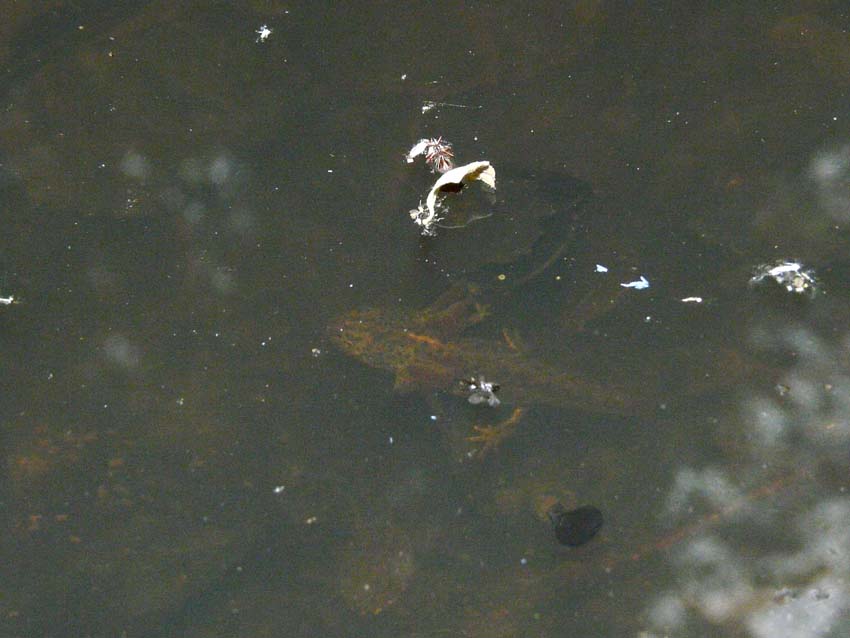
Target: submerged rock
{"points": [[575, 527]]}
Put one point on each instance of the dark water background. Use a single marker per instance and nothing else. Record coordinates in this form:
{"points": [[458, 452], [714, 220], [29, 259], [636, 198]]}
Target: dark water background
{"points": [[185, 210]]}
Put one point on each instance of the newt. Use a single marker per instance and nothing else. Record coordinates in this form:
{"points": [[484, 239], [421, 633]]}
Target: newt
{"points": [[427, 351]]}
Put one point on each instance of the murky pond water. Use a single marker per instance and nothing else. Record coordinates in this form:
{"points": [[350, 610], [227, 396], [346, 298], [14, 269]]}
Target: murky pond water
{"points": [[237, 375]]}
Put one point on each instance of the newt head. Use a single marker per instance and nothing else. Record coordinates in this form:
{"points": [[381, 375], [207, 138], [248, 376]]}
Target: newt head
{"points": [[382, 338], [372, 336], [354, 332]]}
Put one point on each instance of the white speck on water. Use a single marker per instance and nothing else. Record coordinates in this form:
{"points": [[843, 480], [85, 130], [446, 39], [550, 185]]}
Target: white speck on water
{"points": [[263, 33], [640, 284]]}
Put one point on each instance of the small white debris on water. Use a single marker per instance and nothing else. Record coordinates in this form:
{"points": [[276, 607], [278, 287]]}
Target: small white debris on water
{"points": [[421, 216], [279, 489], [391, 440], [692, 299], [791, 275], [263, 33], [312, 520], [640, 284], [600, 268], [315, 352], [428, 105], [784, 269], [433, 417], [7, 301], [417, 150]]}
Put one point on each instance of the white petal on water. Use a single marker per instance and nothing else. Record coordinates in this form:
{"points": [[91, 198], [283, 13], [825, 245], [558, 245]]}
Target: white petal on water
{"points": [[417, 150]]}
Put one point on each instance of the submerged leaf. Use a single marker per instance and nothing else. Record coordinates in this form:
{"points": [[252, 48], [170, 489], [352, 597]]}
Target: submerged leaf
{"points": [[515, 229]]}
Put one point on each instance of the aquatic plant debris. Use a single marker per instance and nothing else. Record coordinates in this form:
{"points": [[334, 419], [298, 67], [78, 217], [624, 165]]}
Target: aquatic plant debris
{"points": [[640, 284], [455, 179], [437, 151], [791, 275]]}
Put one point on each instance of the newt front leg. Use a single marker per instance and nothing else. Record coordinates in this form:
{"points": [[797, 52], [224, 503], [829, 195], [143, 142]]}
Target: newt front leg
{"points": [[492, 435]]}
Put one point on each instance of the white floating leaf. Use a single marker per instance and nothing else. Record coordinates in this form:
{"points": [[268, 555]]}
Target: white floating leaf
{"points": [[459, 176]]}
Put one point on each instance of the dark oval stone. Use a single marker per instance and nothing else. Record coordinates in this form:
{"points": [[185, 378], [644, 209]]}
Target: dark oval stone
{"points": [[577, 526]]}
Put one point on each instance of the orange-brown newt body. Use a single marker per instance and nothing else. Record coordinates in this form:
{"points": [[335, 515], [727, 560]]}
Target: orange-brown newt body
{"points": [[426, 351]]}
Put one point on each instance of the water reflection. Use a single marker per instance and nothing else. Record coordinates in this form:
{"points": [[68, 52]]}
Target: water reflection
{"points": [[730, 575]]}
